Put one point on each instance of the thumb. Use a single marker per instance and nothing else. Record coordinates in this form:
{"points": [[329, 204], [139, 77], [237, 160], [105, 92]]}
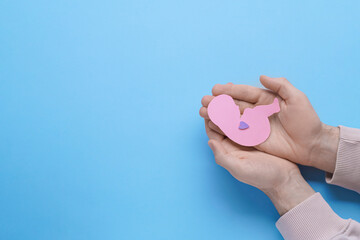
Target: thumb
{"points": [[219, 152], [280, 86]]}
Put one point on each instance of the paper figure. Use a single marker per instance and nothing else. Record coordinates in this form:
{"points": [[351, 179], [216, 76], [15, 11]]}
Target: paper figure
{"points": [[251, 128]]}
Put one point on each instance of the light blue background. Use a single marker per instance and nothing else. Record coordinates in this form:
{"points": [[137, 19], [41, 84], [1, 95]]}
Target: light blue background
{"points": [[100, 134]]}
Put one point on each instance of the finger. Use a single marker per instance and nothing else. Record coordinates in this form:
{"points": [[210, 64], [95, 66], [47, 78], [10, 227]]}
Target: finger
{"points": [[220, 154], [214, 127], [217, 147], [242, 105], [232, 162], [203, 113], [228, 144], [211, 133], [206, 100], [245, 93], [280, 86], [231, 146]]}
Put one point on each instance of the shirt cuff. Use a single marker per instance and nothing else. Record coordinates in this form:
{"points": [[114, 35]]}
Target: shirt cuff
{"points": [[347, 168], [312, 219]]}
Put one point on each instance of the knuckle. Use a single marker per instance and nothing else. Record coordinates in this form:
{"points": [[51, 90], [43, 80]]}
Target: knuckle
{"points": [[302, 95], [299, 96], [283, 80]]}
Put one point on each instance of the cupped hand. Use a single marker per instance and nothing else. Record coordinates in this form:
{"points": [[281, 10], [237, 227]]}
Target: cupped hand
{"points": [[297, 134], [278, 178]]}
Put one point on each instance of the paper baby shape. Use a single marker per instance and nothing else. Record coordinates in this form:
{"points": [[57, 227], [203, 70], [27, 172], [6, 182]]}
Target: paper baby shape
{"points": [[249, 129]]}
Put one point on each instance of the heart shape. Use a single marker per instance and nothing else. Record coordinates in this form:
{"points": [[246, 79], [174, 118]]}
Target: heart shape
{"points": [[243, 125], [251, 128]]}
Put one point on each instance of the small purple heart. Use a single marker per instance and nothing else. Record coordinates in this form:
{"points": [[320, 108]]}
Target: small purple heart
{"points": [[243, 125]]}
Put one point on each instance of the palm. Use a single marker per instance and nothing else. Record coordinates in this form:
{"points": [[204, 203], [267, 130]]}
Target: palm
{"points": [[249, 165], [293, 130]]}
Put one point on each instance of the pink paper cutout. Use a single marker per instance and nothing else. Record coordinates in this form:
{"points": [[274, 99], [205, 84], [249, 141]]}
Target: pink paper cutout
{"points": [[224, 113]]}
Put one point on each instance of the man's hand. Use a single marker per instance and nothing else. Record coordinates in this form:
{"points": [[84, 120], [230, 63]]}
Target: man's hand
{"points": [[297, 134], [276, 177]]}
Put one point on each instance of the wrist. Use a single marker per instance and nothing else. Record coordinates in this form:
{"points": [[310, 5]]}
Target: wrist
{"points": [[290, 194], [323, 154]]}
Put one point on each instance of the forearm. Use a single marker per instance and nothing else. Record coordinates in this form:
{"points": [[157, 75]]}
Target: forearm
{"points": [[313, 219], [306, 215]]}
